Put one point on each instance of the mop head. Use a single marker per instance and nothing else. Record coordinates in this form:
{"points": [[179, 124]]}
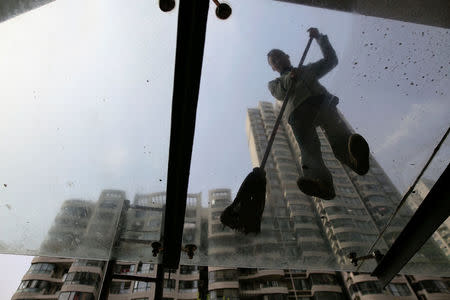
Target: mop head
{"points": [[245, 213]]}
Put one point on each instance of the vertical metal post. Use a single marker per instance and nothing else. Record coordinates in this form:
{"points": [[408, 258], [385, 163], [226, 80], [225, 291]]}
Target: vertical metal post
{"points": [[107, 279], [159, 282]]}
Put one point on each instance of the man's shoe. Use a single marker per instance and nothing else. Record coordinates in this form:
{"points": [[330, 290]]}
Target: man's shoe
{"points": [[358, 150], [316, 188]]}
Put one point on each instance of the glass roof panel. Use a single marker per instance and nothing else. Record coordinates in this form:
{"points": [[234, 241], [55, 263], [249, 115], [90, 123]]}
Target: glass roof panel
{"points": [[86, 96], [393, 88]]}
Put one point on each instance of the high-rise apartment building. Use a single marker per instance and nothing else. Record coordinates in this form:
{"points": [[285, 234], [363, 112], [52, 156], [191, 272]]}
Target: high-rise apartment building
{"points": [[349, 223], [295, 230], [228, 248], [86, 229], [442, 235]]}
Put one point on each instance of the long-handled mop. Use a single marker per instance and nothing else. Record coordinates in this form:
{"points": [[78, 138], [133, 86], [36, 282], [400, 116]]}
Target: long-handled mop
{"points": [[245, 213]]}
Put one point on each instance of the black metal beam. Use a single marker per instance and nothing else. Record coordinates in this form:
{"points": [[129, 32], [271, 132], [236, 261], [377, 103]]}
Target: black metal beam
{"points": [[433, 211], [107, 279], [159, 282], [192, 17]]}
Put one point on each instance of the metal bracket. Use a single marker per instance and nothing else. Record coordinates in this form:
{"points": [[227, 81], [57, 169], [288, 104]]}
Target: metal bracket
{"points": [[376, 254]]}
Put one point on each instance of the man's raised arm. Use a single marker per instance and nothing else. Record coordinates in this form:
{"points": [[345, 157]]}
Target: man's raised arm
{"points": [[329, 60]]}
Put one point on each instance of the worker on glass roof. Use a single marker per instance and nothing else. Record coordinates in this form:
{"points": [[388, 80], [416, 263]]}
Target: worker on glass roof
{"points": [[309, 106]]}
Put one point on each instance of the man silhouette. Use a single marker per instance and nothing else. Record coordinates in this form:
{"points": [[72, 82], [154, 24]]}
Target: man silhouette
{"points": [[311, 105]]}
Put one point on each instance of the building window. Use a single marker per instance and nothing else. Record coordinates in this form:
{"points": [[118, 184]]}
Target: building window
{"points": [[365, 225], [219, 202], [120, 287], [275, 297], [75, 296], [369, 287], [342, 223], [145, 268], [82, 278], [140, 213], [216, 215], [228, 294], [41, 268], [108, 204], [89, 263], [169, 284], [335, 210], [327, 296], [399, 289], [34, 286], [141, 286], [323, 279], [304, 220], [125, 269], [79, 212], [434, 286], [188, 269], [356, 211], [223, 275], [188, 286], [269, 284], [308, 232], [302, 284]]}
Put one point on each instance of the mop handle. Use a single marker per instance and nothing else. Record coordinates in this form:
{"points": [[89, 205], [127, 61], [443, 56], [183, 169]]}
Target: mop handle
{"points": [[283, 107]]}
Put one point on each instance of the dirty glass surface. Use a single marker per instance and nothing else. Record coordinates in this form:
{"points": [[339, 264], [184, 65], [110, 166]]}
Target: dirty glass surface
{"points": [[86, 96], [393, 88], [86, 91]]}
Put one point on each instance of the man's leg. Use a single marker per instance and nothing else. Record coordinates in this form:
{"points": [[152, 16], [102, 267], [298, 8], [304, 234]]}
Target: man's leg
{"points": [[316, 180], [350, 149]]}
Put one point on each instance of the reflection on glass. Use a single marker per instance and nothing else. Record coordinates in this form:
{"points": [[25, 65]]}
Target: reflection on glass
{"points": [[88, 113], [392, 88], [85, 229], [88, 110]]}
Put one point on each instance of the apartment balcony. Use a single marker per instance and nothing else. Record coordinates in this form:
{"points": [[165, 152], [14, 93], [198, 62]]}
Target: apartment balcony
{"points": [[54, 260], [432, 296], [326, 288], [321, 255], [90, 269], [41, 276], [267, 274], [79, 288], [386, 297], [187, 294], [305, 226], [350, 244], [264, 291], [188, 277], [219, 285], [346, 228], [303, 239], [32, 295]]}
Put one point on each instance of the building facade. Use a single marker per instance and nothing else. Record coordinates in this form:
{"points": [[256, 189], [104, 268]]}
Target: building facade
{"points": [[295, 230], [442, 235]]}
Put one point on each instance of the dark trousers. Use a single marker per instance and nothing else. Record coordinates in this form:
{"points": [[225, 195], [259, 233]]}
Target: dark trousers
{"points": [[319, 111]]}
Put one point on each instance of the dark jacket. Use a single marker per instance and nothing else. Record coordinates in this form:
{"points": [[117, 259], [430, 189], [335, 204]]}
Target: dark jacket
{"points": [[307, 82]]}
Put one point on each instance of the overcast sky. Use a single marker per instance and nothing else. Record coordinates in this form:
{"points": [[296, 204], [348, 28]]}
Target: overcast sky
{"points": [[87, 88]]}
